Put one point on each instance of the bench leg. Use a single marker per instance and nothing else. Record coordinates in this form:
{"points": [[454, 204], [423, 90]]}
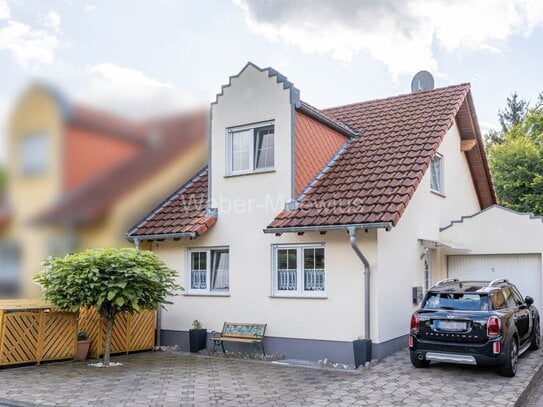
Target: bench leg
{"points": [[222, 345], [263, 351]]}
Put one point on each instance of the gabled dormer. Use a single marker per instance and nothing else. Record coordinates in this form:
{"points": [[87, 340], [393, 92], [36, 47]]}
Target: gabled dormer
{"points": [[251, 138]]}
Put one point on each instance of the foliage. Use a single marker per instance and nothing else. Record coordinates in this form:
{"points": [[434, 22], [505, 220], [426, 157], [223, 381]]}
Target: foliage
{"points": [[514, 113], [111, 280], [82, 336], [196, 325], [517, 163]]}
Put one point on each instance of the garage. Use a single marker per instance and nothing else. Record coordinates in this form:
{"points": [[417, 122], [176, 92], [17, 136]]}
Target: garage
{"points": [[523, 270]]}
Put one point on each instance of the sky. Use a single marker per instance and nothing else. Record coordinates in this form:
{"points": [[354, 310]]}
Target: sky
{"points": [[146, 58]]}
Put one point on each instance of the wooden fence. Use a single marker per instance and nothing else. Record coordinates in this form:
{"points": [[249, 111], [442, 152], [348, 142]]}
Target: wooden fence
{"points": [[131, 332], [33, 331]]}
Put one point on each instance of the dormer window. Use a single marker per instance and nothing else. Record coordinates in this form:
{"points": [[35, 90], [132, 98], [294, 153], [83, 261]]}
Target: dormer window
{"points": [[436, 175], [34, 154], [251, 148]]}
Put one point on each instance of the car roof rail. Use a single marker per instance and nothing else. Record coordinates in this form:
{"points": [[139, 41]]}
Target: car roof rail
{"points": [[497, 281], [447, 280]]}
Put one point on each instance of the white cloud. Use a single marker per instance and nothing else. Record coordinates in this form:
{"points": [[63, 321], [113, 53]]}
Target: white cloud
{"points": [[29, 46], [400, 34], [89, 8], [52, 20], [130, 92], [5, 12]]}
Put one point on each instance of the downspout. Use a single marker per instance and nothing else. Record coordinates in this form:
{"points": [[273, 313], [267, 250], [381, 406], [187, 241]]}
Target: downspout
{"points": [[158, 313], [362, 348], [352, 238]]}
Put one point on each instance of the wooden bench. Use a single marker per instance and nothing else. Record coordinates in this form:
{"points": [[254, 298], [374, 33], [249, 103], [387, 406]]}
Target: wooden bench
{"points": [[240, 332]]}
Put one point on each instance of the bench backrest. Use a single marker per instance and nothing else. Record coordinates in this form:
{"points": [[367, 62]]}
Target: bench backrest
{"points": [[243, 330]]}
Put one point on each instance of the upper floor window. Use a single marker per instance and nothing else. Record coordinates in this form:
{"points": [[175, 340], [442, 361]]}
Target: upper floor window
{"points": [[436, 174], [251, 148], [208, 270], [299, 270], [34, 154]]}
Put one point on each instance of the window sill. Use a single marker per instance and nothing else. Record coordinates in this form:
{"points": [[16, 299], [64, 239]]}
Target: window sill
{"points": [[441, 194], [189, 294], [241, 174], [300, 297]]}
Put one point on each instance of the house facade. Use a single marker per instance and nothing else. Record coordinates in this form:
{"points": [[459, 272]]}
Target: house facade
{"points": [[79, 177], [323, 224]]}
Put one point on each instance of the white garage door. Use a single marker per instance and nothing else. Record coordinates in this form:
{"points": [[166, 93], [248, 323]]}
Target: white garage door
{"points": [[523, 270]]}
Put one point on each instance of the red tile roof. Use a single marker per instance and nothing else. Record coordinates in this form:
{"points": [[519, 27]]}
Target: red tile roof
{"points": [[315, 144], [375, 177], [183, 213], [166, 139]]}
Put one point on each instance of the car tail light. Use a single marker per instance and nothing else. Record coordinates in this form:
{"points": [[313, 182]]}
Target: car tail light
{"points": [[493, 327], [496, 347], [415, 322], [410, 341]]}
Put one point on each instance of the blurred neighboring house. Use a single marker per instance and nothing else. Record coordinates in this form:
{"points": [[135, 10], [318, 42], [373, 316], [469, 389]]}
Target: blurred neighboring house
{"points": [[78, 178]]}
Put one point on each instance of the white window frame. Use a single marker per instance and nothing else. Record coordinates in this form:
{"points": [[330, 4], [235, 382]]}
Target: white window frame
{"points": [[441, 179], [229, 141], [37, 164], [299, 292], [188, 274]]}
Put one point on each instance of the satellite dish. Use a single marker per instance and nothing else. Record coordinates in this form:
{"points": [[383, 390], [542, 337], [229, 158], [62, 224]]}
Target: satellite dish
{"points": [[423, 80]]}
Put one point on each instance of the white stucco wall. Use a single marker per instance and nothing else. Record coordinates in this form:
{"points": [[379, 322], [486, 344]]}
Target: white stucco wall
{"points": [[497, 231], [246, 205], [400, 265]]}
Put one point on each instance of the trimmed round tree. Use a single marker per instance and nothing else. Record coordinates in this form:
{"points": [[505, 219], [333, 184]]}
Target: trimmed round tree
{"points": [[111, 280]]}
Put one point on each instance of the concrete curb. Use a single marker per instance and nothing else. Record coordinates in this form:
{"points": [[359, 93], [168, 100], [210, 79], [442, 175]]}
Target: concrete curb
{"points": [[534, 381]]}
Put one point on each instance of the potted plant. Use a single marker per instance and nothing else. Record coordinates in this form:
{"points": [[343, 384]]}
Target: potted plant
{"points": [[197, 337], [83, 345]]}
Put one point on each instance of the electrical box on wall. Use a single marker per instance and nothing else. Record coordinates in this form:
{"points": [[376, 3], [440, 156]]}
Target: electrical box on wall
{"points": [[417, 295]]}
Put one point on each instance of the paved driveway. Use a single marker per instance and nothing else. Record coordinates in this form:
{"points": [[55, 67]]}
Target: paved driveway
{"points": [[178, 379]]}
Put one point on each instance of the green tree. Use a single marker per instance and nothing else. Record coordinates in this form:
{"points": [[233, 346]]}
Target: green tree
{"points": [[111, 280], [514, 113], [517, 162]]}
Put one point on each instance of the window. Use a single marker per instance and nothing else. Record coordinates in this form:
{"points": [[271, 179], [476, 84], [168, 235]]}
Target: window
{"points": [[10, 269], [428, 269], [251, 149], [457, 301], [299, 270], [34, 154], [436, 174], [208, 270]]}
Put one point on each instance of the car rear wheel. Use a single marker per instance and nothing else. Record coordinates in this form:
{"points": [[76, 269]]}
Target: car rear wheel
{"points": [[417, 362], [509, 367], [536, 337]]}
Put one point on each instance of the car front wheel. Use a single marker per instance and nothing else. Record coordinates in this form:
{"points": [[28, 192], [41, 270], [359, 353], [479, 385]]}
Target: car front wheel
{"points": [[509, 367], [417, 362]]}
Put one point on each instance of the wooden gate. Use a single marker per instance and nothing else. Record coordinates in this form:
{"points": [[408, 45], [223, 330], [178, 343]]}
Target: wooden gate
{"points": [[33, 331], [131, 332]]}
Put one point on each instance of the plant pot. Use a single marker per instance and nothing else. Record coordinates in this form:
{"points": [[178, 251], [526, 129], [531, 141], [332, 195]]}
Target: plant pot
{"points": [[197, 339], [82, 349]]}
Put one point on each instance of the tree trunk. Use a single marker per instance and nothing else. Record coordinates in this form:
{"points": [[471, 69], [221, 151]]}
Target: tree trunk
{"points": [[107, 347]]}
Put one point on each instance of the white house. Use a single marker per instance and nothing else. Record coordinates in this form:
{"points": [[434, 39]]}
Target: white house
{"points": [[324, 224]]}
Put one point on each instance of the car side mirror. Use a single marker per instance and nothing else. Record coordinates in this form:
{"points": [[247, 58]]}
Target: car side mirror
{"points": [[529, 300]]}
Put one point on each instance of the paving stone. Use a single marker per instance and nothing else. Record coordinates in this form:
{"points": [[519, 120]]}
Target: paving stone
{"points": [[173, 378]]}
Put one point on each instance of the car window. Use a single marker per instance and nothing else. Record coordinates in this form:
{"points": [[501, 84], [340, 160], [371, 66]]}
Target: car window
{"points": [[456, 301], [497, 299], [509, 299], [517, 295]]}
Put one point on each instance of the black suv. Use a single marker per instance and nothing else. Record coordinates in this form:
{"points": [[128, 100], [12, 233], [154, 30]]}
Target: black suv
{"points": [[474, 323]]}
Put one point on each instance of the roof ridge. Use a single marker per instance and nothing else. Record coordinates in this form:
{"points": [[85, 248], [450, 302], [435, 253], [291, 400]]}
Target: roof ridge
{"points": [[403, 95], [166, 201]]}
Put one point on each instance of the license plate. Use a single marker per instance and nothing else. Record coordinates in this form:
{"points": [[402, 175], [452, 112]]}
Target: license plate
{"points": [[451, 325]]}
